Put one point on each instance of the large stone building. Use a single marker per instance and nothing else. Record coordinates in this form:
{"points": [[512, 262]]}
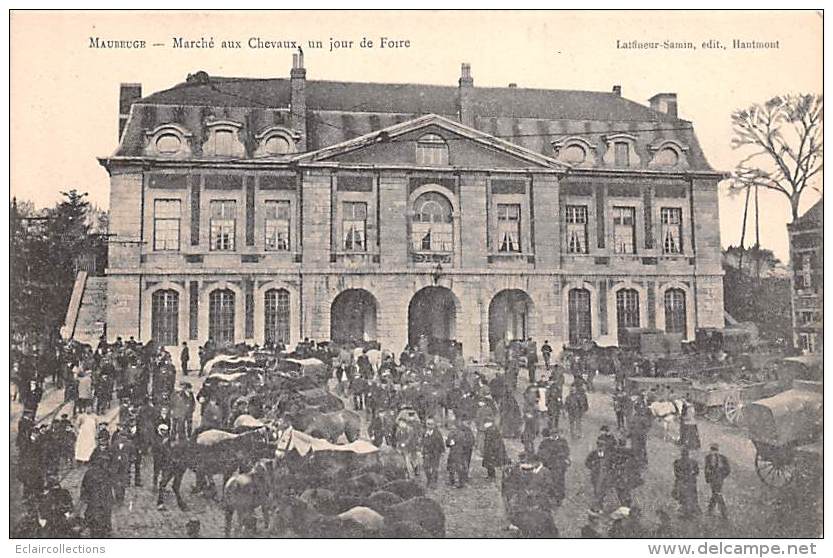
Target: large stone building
{"points": [[261, 209], [807, 259]]}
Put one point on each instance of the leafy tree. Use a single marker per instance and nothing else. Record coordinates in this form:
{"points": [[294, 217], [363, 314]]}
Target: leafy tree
{"points": [[44, 249], [783, 146]]}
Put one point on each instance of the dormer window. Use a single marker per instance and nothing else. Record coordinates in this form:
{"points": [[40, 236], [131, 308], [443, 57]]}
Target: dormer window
{"points": [[621, 155], [168, 144], [621, 151], [168, 140], [432, 150], [275, 141], [668, 154], [574, 151], [223, 139]]}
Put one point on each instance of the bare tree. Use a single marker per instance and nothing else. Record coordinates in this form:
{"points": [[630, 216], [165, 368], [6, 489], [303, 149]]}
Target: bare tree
{"points": [[783, 146]]}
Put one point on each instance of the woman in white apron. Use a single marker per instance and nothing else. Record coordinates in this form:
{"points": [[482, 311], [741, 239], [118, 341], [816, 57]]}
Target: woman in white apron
{"points": [[86, 441]]}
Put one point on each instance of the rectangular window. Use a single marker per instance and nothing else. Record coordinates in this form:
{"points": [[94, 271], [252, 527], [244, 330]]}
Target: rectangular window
{"points": [[672, 230], [624, 230], [577, 229], [621, 152], [278, 219], [808, 342], [223, 225], [354, 226], [509, 227], [166, 219]]}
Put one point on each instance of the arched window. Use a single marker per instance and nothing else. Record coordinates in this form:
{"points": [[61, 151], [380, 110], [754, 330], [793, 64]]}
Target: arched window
{"points": [[277, 145], [675, 311], [431, 150], [627, 309], [579, 316], [165, 317], [277, 316], [221, 317], [432, 229]]}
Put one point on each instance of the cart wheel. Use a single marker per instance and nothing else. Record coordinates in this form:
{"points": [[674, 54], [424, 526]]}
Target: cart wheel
{"points": [[778, 473], [733, 408], [714, 414]]}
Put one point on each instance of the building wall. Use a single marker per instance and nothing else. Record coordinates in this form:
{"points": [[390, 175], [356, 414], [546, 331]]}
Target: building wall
{"points": [[317, 269]]}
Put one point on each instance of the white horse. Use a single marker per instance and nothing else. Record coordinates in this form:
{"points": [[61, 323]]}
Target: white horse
{"points": [[667, 414]]}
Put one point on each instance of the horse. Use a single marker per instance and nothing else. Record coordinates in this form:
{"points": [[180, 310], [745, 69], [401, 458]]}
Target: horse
{"points": [[210, 453], [327, 426], [245, 492], [667, 413]]}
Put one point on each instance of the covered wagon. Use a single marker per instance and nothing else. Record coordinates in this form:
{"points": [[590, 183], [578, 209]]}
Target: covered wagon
{"points": [[780, 425]]}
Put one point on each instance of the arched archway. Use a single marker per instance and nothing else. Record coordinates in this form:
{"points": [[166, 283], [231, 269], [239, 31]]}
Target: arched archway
{"points": [[510, 316], [432, 313], [353, 317]]}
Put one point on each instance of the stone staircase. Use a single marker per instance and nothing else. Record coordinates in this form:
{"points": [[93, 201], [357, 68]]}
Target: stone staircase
{"points": [[87, 309]]}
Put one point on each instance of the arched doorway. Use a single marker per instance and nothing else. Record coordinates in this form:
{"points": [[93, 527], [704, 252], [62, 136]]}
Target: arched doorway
{"points": [[432, 313], [353, 317], [510, 315]]}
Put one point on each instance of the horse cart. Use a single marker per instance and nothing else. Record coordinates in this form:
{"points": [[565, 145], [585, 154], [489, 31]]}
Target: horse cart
{"points": [[786, 429]]}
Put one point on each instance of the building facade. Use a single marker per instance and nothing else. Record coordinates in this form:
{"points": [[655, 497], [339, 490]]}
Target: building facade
{"points": [[277, 209], [807, 259]]}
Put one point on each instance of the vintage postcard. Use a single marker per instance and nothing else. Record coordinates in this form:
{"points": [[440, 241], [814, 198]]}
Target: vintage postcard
{"points": [[426, 274]]}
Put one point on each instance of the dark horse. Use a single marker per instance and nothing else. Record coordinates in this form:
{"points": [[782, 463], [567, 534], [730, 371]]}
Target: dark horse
{"points": [[213, 452]]}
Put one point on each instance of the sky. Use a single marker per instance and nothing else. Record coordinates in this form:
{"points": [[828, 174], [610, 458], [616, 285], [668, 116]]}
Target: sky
{"points": [[64, 94]]}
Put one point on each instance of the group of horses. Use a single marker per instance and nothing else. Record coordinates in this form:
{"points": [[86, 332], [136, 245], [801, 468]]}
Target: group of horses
{"points": [[370, 491]]}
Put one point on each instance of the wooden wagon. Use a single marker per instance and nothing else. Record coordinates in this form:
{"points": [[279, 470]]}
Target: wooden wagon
{"points": [[781, 426]]}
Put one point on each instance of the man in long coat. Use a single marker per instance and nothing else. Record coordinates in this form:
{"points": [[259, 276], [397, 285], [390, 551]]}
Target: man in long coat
{"points": [[433, 447], [554, 452], [97, 497], [494, 450], [686, 471], [715, 469]]}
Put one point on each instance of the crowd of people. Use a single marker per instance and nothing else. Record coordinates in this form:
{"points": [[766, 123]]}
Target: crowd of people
{"points": [[426, 406]]}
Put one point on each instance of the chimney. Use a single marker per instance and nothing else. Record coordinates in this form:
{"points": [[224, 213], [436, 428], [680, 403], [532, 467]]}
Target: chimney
{"points": [[665, 103], [129, 93], [465, 94], [298, 98], [617, 90]]}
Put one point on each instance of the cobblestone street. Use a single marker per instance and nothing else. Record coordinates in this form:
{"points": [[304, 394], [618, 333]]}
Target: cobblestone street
{"points": [[477, 510]]}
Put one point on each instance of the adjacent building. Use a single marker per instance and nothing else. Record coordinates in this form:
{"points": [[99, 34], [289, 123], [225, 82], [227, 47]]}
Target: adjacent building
{"points": [[807, 258], [278, 209]]}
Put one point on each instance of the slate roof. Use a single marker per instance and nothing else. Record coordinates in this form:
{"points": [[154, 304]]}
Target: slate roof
{"points": [[812, 218], [340, 111]]}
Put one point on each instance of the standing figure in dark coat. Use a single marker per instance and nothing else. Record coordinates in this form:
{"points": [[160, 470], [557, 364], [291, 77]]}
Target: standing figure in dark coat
{"points": [[554, 452], [554, 404], [530, 431], [494, 450], [715, 469], [97, 497], [122, 455], [456, 455], [531, 359], [575, 411], [184, 358], [511, 418], [433, 447], [686, 471], [597, 462], [546, 352]]}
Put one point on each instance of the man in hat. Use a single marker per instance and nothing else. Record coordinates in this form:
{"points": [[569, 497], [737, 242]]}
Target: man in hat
{"points": [[160, 449], [494, 449], [575, 411], [97, 497], [715, 469], [605, 438], [598, 463], [546, 352], [686, 471], [184, 358], [554, 452], [433, 447], [456, 455]]}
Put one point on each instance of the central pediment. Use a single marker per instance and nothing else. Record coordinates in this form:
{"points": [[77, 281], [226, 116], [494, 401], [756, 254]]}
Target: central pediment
{"points": [[432, 142]]}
